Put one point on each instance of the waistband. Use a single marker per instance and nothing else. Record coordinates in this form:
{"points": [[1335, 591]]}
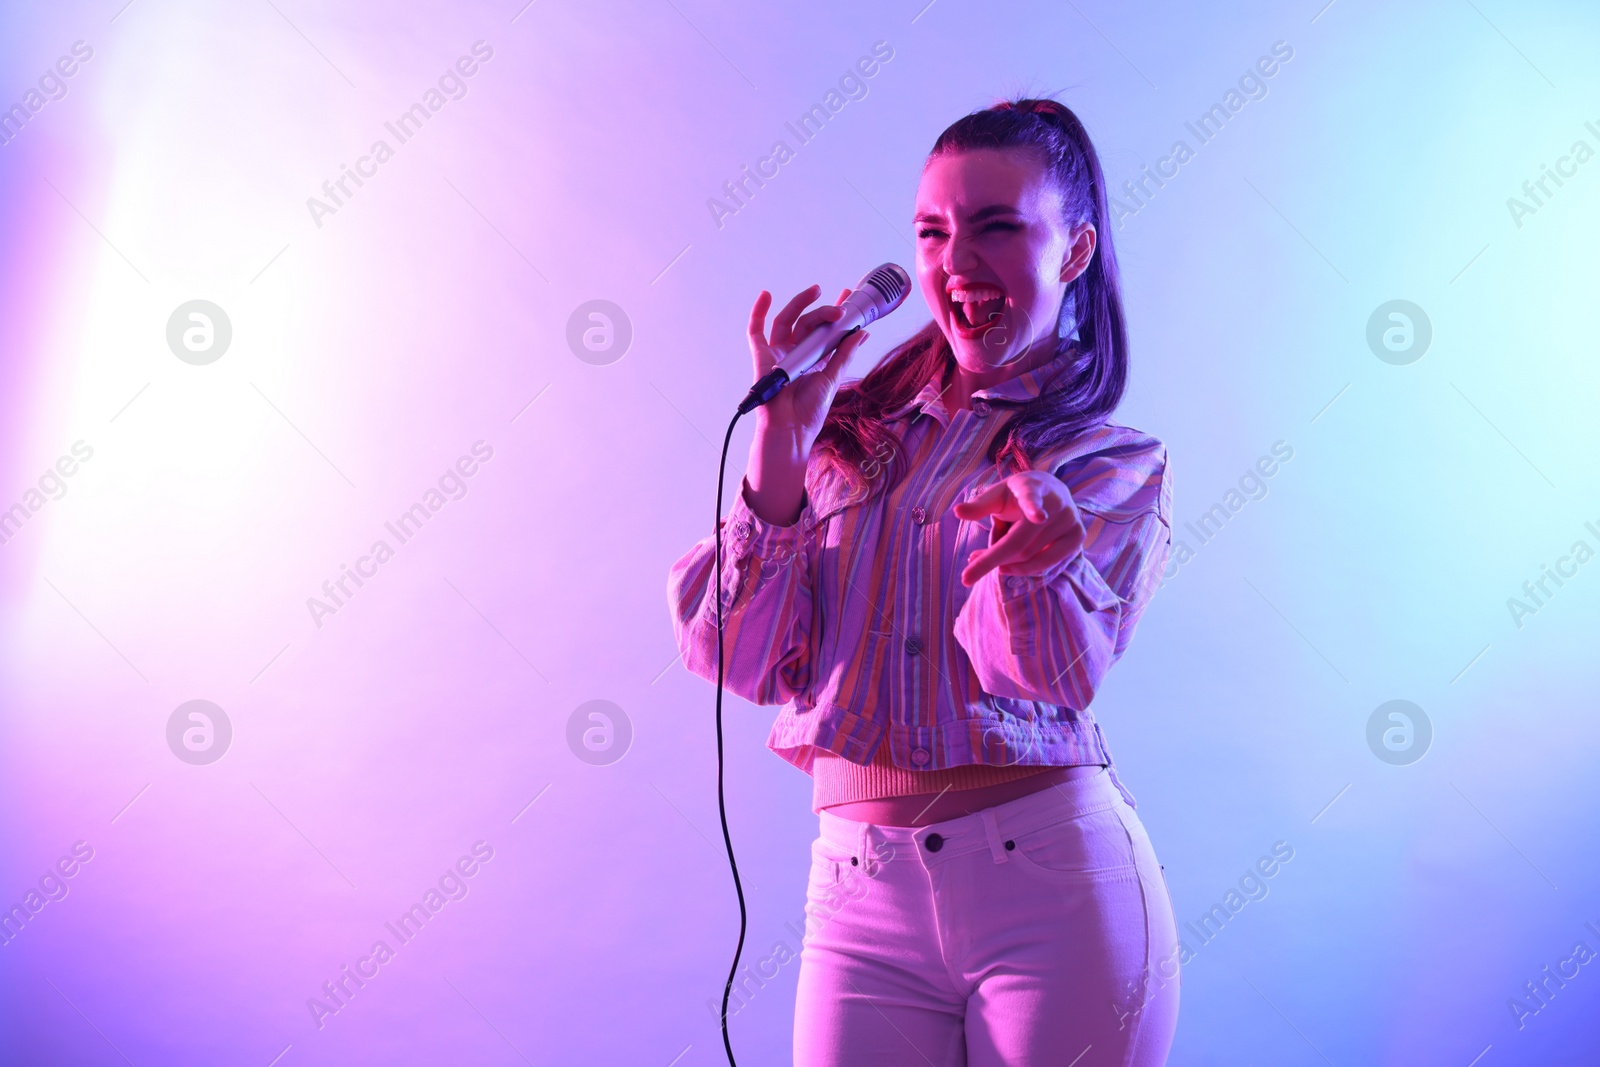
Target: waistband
{"points": [[985, 829]]}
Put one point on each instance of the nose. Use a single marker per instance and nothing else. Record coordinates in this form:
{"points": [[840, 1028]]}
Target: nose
{"points": [[959, 256]]}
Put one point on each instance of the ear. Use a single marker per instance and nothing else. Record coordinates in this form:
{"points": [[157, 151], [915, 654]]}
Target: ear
{"points": [[1079, 251]]}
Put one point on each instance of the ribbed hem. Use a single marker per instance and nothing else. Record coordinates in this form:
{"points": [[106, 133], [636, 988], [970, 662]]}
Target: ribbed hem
{"points": [[836, 780]]}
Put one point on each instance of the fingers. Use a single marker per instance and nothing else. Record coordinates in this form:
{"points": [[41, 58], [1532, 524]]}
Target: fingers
{"points": [[758, 333], [1027, 548], [1030, 498], [783, 323], [811, 320], [1027, 532], [1053, 553], [1020, 543], [1015, 497], [991, 499], [841, 355]]}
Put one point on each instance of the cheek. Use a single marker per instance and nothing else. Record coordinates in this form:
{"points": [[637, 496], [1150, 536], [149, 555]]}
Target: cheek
{"points": [[931, 286], [1044, 290], [1022, 271], [1031, 311]]}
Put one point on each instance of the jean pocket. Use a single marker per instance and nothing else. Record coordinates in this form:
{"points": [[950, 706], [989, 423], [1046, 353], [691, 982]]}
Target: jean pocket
{"points": [[829, 861], [1091, 842]]}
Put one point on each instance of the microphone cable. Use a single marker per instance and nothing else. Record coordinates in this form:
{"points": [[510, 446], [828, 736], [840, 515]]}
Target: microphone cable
{"points": [[764, 390], [722, 808]]}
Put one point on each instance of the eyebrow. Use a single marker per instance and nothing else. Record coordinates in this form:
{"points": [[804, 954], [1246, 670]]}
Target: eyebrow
{"points": [[976, 216]]}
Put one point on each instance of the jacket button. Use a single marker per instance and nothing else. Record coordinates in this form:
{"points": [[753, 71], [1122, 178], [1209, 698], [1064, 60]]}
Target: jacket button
{"points": [[980, 407], [742, 530], [919, 756], [934, 842], [919, 515], [913, 646], [1015, 582]]}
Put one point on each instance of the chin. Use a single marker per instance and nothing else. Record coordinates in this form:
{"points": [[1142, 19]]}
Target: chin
{"points": [[995, 348], [975, 359]]}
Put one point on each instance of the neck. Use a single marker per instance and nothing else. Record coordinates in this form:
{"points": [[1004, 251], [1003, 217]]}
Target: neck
{"points": [[961, 383]]}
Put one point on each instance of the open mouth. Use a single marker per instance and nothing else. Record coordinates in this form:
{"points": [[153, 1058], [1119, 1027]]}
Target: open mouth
{"points": [[976, 307]]}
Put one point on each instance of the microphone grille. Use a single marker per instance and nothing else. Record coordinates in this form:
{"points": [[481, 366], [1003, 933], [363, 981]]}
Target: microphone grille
{"points": [[892, 281]]}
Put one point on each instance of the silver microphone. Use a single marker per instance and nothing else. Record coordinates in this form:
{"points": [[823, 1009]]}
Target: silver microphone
{"points": [[880, 292]]}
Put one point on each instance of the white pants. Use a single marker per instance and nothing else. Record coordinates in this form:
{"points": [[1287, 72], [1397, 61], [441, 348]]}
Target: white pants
{"points": [[1037, 931]]}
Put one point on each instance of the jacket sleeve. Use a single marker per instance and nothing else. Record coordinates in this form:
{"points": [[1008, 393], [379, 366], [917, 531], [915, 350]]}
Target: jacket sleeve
{"points": [[766, 604], [1052, 637]]}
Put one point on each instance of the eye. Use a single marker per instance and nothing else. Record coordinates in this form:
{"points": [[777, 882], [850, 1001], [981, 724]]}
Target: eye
{"points": [[930, 233], [1002, 226]]}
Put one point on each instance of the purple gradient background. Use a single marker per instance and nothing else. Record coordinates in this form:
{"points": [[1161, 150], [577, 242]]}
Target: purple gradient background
{"points": [[372, 351]]}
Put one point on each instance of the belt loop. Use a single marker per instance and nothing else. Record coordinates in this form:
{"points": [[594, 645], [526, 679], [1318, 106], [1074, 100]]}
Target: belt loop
{"points": [[864, 850], [992, 828], [1111, 772]]}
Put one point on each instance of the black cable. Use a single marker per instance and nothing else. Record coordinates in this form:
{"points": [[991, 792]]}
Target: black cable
{"points": [[765, 388], [722, 809]]}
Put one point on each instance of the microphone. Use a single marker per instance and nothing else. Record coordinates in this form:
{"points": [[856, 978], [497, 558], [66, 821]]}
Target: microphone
{"points": [[880, 292]]}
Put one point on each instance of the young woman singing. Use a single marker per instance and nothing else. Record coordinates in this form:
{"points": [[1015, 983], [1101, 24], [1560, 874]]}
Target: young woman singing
{"points": [[932, 569]]}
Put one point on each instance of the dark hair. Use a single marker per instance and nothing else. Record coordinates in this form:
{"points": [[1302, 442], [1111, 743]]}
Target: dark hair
{"points": [[1091, 307]]}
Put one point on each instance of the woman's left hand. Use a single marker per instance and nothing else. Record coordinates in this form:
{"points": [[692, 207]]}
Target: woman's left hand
{"points": [[1036, 525]]}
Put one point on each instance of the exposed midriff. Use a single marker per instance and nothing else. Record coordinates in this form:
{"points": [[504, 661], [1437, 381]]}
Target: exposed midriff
{"points": [[883, 793]]}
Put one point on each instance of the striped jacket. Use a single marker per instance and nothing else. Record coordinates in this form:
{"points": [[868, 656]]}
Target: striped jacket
{"points": [[856, 621]]}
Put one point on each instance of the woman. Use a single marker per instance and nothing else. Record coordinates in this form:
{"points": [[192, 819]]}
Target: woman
{"points": [[981, 891]]}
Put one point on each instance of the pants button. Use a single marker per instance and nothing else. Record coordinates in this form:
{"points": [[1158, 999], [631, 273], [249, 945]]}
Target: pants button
{"points": [[934, 842]]}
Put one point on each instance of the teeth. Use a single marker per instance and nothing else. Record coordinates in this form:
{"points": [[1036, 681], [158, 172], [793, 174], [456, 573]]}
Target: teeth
{"points": [[976, 304]]}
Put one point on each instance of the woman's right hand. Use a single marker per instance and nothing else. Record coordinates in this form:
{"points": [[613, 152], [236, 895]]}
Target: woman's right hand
{"points": [[799, 409]]}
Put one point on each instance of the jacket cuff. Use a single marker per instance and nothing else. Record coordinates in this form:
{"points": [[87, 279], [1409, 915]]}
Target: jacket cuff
{"points": [[752, 534], [1086, 581]]}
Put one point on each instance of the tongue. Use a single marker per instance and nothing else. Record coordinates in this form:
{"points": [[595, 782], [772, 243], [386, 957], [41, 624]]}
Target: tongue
{"points": [[979, 312]]}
